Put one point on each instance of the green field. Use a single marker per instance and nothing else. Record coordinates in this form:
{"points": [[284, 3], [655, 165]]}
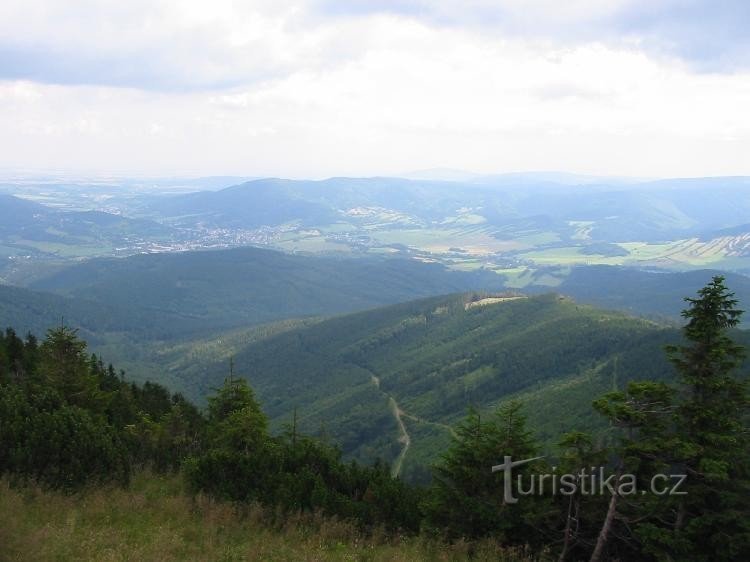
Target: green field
{"points": [[440, 241], [569, 255]]}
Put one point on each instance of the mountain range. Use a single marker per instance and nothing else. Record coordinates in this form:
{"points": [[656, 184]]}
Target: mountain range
{"points": [[320, 336], [375, 311]]}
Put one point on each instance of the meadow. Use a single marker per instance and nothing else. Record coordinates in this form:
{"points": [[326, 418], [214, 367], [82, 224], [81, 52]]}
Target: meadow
{"points": [[155, 519]]}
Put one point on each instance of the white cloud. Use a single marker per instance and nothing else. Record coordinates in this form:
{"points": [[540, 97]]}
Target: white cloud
{"points": [[277, 89]]}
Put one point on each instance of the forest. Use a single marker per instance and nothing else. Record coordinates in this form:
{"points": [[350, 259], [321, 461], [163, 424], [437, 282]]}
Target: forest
{"points": [[70, 424]]}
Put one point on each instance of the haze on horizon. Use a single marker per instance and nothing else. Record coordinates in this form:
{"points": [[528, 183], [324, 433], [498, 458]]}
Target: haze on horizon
{"points": [[320, 88]]}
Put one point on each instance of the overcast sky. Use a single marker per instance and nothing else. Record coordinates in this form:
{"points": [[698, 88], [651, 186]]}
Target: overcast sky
{"points": [[323, 87]]}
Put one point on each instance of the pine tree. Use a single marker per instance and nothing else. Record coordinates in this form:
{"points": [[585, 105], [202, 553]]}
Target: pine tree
{"points": [[700, 431], [239, 462], [643, 413], [65, 366], [235, 419], [466, 499], [712, 521]]}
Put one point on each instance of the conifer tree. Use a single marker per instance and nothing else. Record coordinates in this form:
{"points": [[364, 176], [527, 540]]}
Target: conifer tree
{"points": [[712, 520], [65, 366], [238, 461], [580, 514], [643, 413], [700, 431], [466, 499], [235, 419]]}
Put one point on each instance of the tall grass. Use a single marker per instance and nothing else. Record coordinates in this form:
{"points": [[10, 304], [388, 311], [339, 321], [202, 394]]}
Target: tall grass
{"points": [[156, 520]]}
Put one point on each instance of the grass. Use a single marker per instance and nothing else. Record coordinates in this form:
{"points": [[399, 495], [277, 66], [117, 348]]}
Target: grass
{"points": [[439, 241], [156, 520], [570, 255], [313, 244], [689, 253], [680, 254]]}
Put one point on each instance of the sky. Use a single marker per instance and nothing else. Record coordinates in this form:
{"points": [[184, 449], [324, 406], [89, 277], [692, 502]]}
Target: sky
{"points": [[319, 88]]}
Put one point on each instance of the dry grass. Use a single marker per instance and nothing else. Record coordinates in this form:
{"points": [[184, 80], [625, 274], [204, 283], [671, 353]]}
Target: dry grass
{"points": [[156, 520]]}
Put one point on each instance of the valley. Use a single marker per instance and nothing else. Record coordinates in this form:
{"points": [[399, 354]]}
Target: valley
{"points": [[345, 344], [372, 379], [371, 319], [172, 283], [514, 225], [374, 281]]}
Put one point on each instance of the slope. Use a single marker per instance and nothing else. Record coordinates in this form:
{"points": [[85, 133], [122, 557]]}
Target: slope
{"points": [[26, 226], [357, 378], [36, 311], [240, 287]]}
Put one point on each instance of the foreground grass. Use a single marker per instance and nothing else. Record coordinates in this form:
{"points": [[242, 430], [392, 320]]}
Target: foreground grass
{"points": [[156, 520]]}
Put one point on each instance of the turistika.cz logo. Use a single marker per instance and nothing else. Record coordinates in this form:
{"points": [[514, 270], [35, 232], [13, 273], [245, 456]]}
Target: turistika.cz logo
{"points": [[588, 482]]}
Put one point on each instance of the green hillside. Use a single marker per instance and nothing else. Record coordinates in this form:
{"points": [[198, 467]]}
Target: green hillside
{"points": [[387, 382], [29, 228], [245, 286], [37, 311], [429, 360], [166, 316], [390, 382]]}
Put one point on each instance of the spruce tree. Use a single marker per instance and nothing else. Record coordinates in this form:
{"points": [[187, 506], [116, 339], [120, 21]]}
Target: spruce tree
{"points": [[701, 432], [65, 366], [239, 461], [466, 499], [643, 414], [712, 521]]}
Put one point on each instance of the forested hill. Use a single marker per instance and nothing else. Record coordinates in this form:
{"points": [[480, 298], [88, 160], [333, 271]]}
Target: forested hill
{"points": [[653, 211], [396, 378], [26, 224], [432, 359], [652, 293], [246, 286], [37, 311]]}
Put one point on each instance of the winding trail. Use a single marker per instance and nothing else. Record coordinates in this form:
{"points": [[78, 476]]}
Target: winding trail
{"points": [[404, 438]]}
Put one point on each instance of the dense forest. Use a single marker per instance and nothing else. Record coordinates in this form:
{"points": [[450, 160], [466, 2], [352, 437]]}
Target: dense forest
{"points": [[70, 422], [434, 358]]}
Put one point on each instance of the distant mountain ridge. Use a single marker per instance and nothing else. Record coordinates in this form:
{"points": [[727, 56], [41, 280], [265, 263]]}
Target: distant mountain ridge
{"points": [[21, 217], [246, 286], [622, 211], [28, 228], [499, 222]]}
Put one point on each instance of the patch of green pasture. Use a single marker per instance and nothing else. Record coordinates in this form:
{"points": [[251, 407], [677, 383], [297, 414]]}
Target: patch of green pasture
{"points": [[569, 255]]}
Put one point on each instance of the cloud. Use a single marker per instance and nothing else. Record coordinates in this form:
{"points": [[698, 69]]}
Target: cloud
{"points": [[313, 89], [710, 35], [160, 45], [418, 97], [182, 45]]}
